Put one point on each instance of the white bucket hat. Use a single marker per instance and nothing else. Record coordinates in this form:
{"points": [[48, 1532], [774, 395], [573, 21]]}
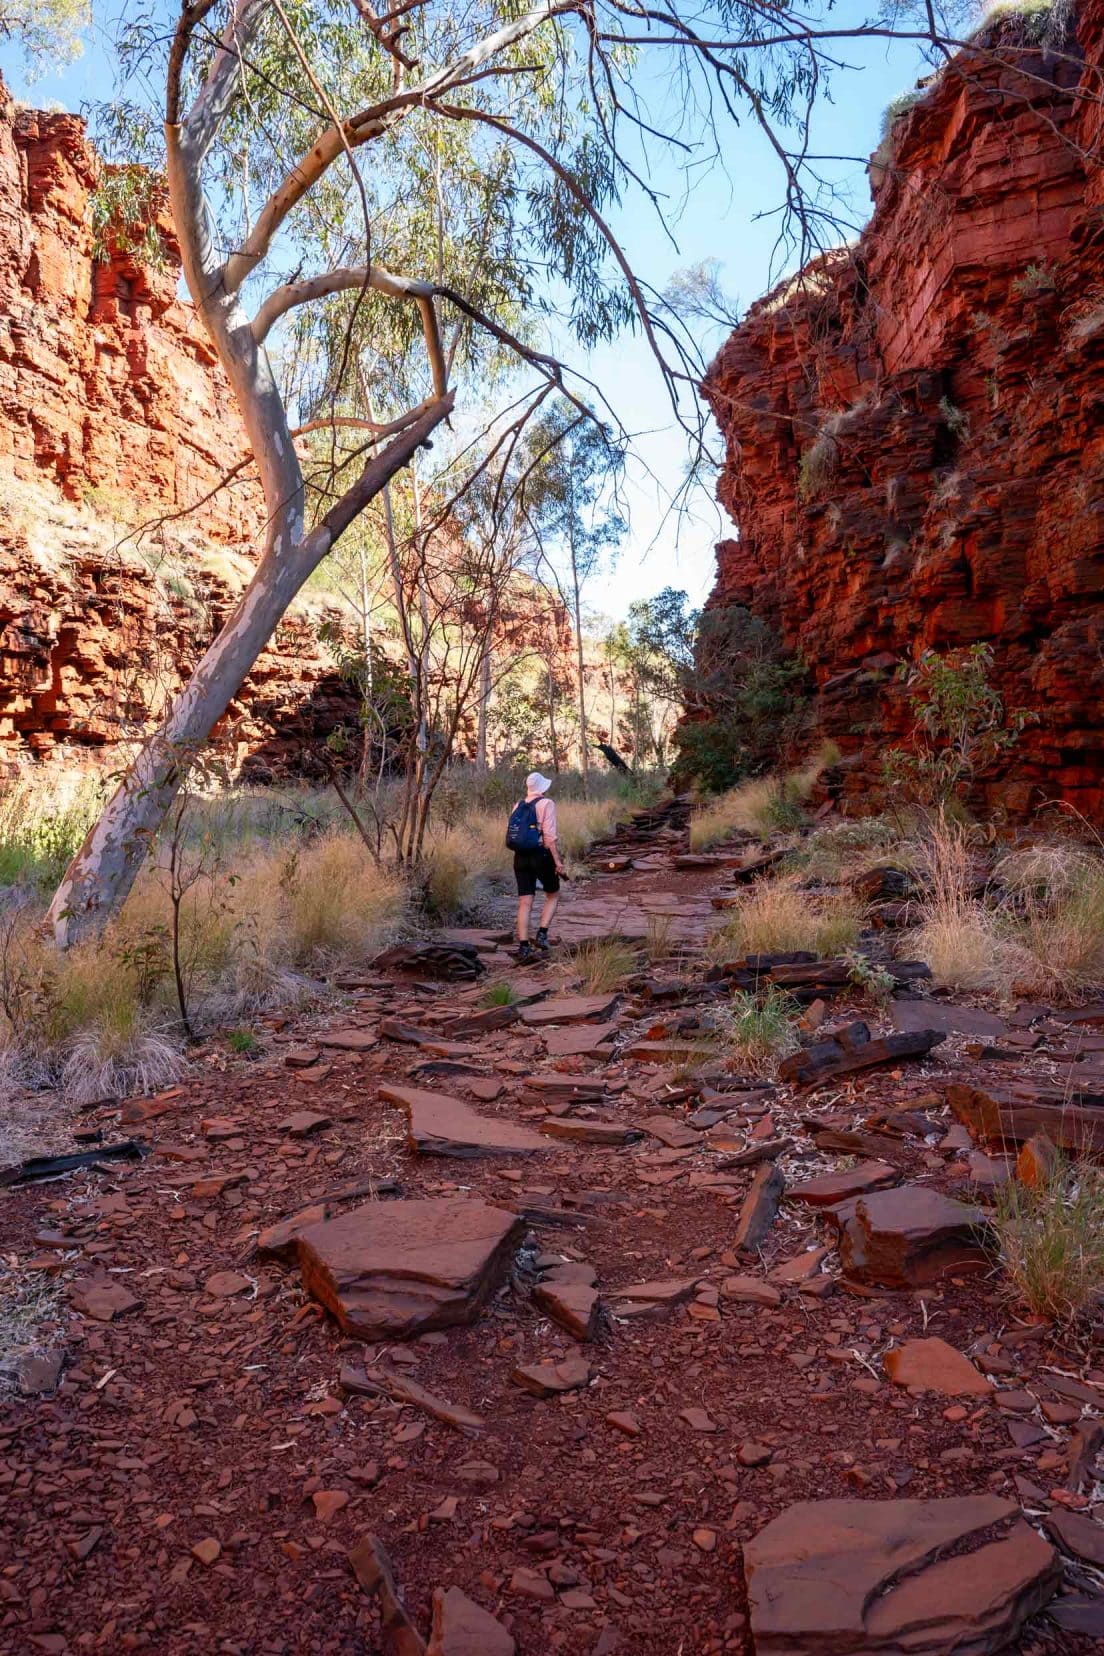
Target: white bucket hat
{"points": [[536, 783]]}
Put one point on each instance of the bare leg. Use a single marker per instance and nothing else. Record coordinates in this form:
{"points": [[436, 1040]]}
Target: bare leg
{"points": [[551, 904], [525, 909]]}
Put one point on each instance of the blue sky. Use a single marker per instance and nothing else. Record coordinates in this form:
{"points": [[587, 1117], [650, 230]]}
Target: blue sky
{"points": [[720, 218]]}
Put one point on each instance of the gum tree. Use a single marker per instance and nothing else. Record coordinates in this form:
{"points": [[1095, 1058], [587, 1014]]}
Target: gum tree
{"points": [[374, 204]]}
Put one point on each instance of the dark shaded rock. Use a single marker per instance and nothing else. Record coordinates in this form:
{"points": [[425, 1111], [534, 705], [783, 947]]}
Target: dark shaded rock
{"points": [[760, 1208], [850, 1050], [907, 1237]]}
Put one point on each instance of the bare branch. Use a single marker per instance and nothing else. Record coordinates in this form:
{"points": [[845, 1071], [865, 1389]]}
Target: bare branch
{"points": [[368, 124]]}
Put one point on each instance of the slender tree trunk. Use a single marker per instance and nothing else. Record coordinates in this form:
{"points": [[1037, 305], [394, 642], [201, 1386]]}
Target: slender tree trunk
{"points": [[584, 756], [484, 706], [553, 737]]}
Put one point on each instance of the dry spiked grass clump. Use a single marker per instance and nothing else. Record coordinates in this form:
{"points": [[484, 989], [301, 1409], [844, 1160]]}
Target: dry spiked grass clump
{"points": [[1051, 1240], [778, 917], [758, 1030], [763, 805], [600, 964], [1035, 928]]}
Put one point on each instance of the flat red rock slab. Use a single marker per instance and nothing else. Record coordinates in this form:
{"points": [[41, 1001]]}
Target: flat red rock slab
{"points": [[349, 1040], [750, 1290], [573, 1305], [568, 1009], [837, 1187], [396, 1269], [581, 1131], [866, 1578], [671, 1131], [549, 1379], [104, 1301], [573, 1043], [443, 1126], [933, 1365], [463, 1628], [279, 1239], [305, 1122], [670, 1291], [909, 1016], [486, 1089]]}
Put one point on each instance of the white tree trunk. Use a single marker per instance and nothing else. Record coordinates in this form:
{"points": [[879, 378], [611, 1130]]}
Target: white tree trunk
{"points": [[584, 757]]}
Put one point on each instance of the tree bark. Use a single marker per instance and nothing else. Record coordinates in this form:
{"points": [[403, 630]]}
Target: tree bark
{"points": [[97, 881], [584, 758]]}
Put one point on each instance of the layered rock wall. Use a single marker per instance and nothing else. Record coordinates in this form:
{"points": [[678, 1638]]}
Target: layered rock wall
{"points": [[915, 449], [120, 554]]}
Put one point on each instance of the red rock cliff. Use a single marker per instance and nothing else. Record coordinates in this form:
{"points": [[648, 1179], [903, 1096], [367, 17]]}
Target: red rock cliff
{"points": [[915, 449], [114, 412]]}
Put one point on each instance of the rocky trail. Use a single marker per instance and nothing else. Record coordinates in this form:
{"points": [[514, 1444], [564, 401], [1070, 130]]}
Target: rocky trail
{"points": [[465, 1328]]}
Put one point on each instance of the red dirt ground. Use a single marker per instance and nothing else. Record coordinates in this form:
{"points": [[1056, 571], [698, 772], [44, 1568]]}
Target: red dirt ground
{"points": [[194, 1416]]}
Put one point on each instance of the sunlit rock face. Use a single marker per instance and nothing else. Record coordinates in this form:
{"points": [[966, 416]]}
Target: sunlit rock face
{"points": [[915, 448]]}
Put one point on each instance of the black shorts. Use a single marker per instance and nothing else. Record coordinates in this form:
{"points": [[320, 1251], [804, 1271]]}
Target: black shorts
{"points": [[533, 867]]}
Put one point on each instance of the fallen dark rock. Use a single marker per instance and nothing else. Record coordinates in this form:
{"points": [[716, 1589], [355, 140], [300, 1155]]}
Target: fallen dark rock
{"points": [[447, 962], [760, 1208], [381, 1382], [37, 1168], [869, 1578], [850, 1050], [372, 1568]]}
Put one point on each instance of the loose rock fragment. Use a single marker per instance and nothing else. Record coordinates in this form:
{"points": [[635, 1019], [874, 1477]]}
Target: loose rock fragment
{"points": [[444, 1126], [933, 1365], [463, 1628], [550, 1379]]}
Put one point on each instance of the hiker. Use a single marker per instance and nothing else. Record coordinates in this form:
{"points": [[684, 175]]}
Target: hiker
{"points": [[531, 836]]}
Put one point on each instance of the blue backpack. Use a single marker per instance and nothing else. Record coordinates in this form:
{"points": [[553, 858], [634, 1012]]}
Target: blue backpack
{"points": [[523, 832]]}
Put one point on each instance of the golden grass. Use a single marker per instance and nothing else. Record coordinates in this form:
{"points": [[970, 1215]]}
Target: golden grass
{"points": [[762, 806], [1037, 929], [778, 917], [600, 964]]}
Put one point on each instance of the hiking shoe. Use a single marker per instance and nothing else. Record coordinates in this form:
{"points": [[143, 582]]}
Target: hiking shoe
{"points": [[525, 951], [542, 940]]}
